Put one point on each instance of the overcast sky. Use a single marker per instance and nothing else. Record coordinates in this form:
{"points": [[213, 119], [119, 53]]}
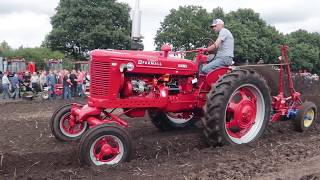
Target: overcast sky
{"points": [[26, 22]]}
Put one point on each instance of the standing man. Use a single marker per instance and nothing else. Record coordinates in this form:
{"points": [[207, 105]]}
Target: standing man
{"points": [[66, 85], [74, 83], [52, 81], [16, 85], [43, 79], [224, 45], [5, 86]]}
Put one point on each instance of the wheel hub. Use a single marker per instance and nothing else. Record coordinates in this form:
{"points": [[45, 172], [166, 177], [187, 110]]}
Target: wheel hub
{"points": [[70, 127], [241, 112], [245, 114], [104, 150], [308, 118]]}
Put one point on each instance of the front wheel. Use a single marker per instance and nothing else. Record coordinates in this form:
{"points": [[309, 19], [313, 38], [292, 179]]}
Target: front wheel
{"points": [[45, 95], [106, 144], [64, 128], [237, 109], [305, 117]]}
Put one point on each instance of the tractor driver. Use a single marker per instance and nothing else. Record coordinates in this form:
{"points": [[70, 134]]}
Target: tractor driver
{"points": [[224, 46]]}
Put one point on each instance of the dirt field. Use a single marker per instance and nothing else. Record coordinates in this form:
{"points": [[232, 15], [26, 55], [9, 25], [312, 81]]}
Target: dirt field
{"points": [[29, 151]]}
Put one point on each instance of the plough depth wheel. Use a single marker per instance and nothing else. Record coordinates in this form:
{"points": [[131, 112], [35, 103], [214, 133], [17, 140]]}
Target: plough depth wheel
{"points": [[305, 117], [238, 108]]}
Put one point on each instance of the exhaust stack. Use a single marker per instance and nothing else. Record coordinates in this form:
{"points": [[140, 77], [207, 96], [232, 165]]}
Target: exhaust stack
{"points": [[136, 38]]}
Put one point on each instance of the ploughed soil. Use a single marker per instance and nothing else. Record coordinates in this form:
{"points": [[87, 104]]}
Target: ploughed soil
{"points": [[28, 150]]}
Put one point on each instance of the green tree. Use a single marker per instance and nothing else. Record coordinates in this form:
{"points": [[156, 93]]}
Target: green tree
{"points": [[184, 28], [4, 46], [188, 26], [81, 25], [254, 39], [304, 50]]}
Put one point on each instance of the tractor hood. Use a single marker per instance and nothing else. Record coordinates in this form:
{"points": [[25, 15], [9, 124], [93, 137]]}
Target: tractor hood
{"points": [[147, 62]]}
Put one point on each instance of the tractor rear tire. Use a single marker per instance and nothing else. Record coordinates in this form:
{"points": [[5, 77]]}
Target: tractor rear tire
{"points": [[238, 108], [305, 117], [58, 125], [165, 121], [106, 144]]}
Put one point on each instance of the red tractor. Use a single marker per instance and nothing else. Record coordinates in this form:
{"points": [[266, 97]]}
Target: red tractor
{"points": [[234, 104]]}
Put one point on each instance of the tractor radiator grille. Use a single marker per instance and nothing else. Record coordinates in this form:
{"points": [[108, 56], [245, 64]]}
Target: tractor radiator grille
{"points": [[100, 79]]}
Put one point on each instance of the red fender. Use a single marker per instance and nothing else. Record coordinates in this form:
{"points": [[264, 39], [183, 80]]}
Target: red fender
{"points": [[214, 75], [84, 112]]}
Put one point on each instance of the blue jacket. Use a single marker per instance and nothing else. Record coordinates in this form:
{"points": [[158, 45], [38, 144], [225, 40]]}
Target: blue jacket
{"points": [[15, 82], [51, 78]]}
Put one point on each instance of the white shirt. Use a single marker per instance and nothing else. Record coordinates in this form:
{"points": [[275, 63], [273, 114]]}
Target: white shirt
{"points": [[34, 79], [5, 79]]}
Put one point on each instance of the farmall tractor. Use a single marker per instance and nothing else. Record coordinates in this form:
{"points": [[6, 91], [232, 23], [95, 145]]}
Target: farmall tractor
{"points": [[234, 104]]}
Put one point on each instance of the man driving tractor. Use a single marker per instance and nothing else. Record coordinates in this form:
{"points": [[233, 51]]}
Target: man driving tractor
{"points": [[224, 45]]}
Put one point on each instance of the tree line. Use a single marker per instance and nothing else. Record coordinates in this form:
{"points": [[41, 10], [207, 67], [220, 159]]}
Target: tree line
{"points": [[80, 26], [188, 27]]}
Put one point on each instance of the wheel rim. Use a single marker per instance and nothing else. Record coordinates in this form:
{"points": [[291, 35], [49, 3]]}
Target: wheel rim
{"points": [[180, 118], [245, 114], [107, 149], [70, 128], [308, 118], [45, 95]]}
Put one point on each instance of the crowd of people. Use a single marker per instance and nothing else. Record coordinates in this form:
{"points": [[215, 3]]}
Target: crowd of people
{"points": [[74, 83]]}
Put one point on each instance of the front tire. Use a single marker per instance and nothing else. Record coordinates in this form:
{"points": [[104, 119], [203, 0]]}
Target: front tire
{"points": [[238, 108], [106, 144], [62, 127]]}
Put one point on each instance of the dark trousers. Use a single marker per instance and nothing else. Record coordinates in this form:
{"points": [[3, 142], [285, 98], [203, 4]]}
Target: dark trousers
{"points": [[74, 90]]}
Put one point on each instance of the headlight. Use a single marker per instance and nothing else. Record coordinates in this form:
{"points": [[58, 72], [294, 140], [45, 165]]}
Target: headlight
{"points": [[130, 66], [126, 67]]}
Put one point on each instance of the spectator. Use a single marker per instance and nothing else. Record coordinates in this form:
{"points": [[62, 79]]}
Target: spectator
{"points": [[16, 86], [35, 81], [60, 76], [52, 81], [43, 80], [5, 86], [86, 81], [80, 80], [66, 86], [74, 84]]}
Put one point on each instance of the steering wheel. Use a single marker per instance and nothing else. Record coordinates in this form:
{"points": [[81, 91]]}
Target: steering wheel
{"points": [[208, 42]]}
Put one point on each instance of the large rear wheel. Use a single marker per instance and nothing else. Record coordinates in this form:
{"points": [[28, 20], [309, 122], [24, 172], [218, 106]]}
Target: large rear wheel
{"points": [[238, 108]]}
